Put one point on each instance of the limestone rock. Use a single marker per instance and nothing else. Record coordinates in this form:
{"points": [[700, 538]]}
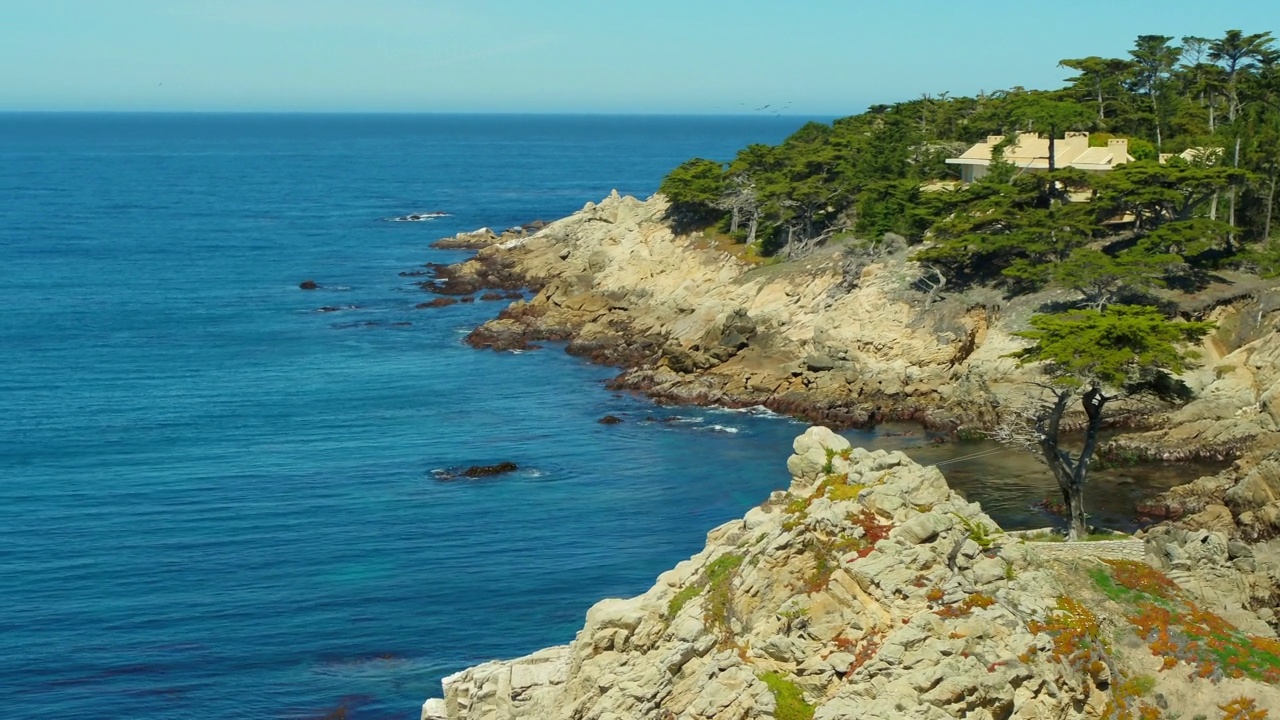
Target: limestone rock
{"points": [[877, 603]]}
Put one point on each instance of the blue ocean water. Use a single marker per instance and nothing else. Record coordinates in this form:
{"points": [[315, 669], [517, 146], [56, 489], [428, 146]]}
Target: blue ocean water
{"points": [[219, 500]]}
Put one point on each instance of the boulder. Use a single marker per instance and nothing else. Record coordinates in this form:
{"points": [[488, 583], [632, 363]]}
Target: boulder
{"points": [[479, 471]]}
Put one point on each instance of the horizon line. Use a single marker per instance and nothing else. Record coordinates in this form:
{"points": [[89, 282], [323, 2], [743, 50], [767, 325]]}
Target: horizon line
{"points": [[524, 113]]}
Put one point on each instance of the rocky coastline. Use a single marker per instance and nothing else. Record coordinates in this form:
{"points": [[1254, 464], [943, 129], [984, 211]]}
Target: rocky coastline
{"points": [[842, 338], [869, 589], [848, 339]]}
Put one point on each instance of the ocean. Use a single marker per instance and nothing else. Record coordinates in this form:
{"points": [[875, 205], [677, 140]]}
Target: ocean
{"points": [[222, 501]]}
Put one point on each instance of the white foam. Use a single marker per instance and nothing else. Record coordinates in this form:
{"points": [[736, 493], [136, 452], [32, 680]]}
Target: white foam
{"points": [[756, 411]]}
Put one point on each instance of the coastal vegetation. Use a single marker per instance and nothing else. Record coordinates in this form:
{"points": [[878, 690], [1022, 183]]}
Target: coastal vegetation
{"points": [[1085, 354], [885, 170], [1196, 124]]}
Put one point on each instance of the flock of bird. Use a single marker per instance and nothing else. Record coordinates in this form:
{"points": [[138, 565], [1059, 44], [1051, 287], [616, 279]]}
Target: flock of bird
{"points": [[763, 108]]}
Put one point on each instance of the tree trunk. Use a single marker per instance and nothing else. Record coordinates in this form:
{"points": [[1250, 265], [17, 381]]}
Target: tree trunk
{"points": [[735, 218], [1053, 154], [1071, 474], [751, 228], [1093, 402], [1232, 218], [1271, 197], [1155, 111], [1059, 461]]}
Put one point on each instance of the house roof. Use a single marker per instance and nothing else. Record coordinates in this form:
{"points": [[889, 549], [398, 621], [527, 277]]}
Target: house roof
{"points": [[1201, 156], [1103, 157], [1031, 151]]}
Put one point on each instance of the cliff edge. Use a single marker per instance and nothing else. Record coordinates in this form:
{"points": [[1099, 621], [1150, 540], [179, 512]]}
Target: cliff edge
{"points": [[846, 337], [869, 589]]}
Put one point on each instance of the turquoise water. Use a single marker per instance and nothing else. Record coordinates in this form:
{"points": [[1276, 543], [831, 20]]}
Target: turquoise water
{"points": [[220, 501]]}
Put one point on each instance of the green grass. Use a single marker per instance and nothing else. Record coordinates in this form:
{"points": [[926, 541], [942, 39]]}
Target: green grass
{"points": [[1107, 584], [978, 531], [718, 580], [791, 704], [715, 578], [681, 599]]}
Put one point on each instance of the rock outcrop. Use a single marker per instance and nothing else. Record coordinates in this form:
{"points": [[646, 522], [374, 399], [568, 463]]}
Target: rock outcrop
{"points": [[847, 340], [694, 323], [840, 337], [1236, 404], [869, 589]]}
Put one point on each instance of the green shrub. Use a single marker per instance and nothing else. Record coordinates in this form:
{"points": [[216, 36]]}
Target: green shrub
{"points": [[791, 704]]}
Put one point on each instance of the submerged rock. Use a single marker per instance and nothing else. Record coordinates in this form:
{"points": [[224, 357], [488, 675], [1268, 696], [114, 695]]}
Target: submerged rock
{"points": [[308, 285], [438, 302], [610, 420]]}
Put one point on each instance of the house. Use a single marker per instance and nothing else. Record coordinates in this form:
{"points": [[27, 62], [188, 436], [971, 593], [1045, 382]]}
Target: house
{"points": [[1029, 152], [1196, 156]]}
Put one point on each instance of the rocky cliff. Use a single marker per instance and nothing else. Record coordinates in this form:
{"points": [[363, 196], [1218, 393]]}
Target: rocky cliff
{"points": [[830, 337], [869, 589], [847, 337]]}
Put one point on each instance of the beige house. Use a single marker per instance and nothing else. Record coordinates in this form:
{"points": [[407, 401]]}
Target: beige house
{"points": [[1196, 156], [1029, 152]]}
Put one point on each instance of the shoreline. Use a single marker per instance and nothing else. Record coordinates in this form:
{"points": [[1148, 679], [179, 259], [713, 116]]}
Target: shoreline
{"points": [[839, 340], [686, 322]]}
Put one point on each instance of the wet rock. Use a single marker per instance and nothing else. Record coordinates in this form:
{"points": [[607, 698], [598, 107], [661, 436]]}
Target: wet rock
{"points": [[491, 296], [438, 302], [479, 471], [474, 240], [308, 285], [610, 420]]}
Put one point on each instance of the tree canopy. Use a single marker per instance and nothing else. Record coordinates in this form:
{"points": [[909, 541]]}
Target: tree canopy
{"points": [[1120, 346], [1093, 355], [1216, 98]]}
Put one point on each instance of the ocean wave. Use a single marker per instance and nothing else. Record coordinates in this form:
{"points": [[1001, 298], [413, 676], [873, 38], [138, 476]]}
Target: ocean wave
{"points": [[419, 217], [729, 429], [758, 411]]}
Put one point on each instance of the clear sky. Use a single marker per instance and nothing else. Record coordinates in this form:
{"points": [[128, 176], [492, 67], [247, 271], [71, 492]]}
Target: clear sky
{"points": [[814, 57]]}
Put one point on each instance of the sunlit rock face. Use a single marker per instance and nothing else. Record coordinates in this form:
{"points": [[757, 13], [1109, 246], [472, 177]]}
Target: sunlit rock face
{"points": [[869, 589]]}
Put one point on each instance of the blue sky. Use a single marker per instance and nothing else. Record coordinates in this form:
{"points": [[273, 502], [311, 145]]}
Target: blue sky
{"points": [[820, 57]]}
